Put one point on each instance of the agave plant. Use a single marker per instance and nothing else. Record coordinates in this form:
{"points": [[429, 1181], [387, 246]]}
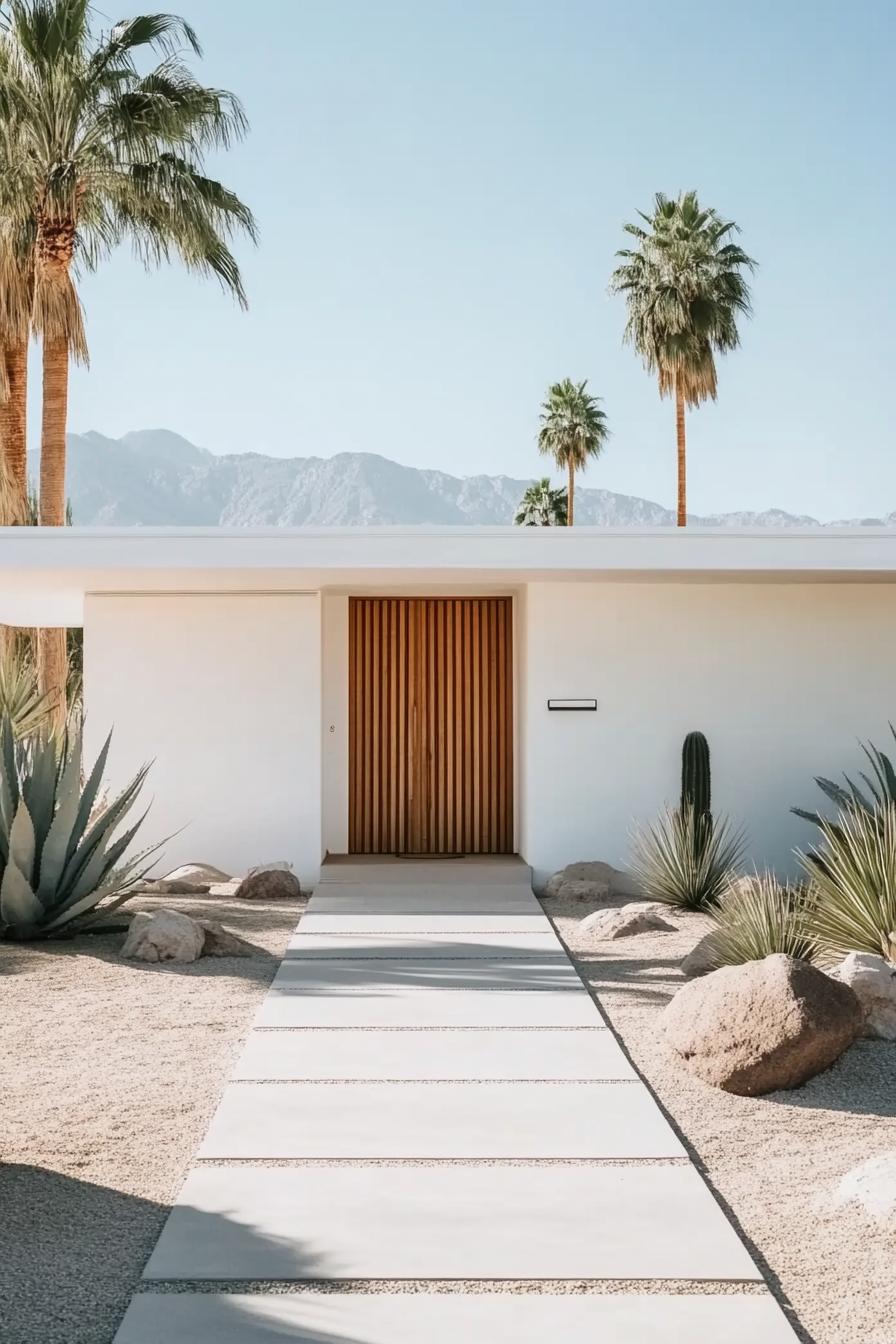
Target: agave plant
{"points": [[757, 917], [881, 785], [681, 862], [853, 872], [59, 859]]}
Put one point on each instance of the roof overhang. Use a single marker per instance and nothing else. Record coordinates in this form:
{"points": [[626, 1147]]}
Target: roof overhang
{"points": [[46, 572]]}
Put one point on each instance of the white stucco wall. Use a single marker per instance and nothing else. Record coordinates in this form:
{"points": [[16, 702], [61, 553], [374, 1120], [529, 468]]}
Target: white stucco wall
{"points": [[224, 692], [782, 678]]}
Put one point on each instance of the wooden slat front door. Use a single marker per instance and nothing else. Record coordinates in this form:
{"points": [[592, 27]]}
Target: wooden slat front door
{"points": [[430, 725]]}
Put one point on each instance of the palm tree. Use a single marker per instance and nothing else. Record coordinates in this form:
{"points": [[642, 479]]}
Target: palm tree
{"points": [[685, 288], [92, 153], [542, 506], [573, 429]]}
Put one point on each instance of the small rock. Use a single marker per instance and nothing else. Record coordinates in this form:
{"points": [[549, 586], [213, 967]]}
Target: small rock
{"points": [[873, 981], [605, 925], [763, 1026], [220, 942], [279, 866], [164, 935], [872, 1184], [269, 884], [701, 959], [580, 889], [619, 883], [201, 873], [226, 888]]}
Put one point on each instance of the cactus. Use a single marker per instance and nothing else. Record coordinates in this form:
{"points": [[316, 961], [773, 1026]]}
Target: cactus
{"points": [[696, 789]]}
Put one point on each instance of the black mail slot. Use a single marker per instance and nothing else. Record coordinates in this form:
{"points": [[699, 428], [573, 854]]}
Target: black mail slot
{"points": [[572, 704]]}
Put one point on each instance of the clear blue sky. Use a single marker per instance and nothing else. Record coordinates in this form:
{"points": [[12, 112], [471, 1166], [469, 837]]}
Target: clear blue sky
{"points": [[440, 187]]}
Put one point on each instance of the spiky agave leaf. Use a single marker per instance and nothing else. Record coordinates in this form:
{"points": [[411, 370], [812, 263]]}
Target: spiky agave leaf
{"points": [[758, 917], [682, 862], [59, 871], [853, 872]]}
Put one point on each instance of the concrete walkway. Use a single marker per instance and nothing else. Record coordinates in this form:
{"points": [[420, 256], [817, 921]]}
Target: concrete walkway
{"points": [[429, 1100]]}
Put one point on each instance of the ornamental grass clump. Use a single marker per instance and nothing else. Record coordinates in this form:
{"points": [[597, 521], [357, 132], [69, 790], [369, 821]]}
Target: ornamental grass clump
{"points": [[757, 917], [853, 873], [62, 866], [682, 861]]}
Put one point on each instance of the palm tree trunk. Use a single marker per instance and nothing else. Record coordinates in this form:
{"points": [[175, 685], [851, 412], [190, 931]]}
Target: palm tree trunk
{"points": [[51, 659], [682, 457], [12, 425], [570, 492]]}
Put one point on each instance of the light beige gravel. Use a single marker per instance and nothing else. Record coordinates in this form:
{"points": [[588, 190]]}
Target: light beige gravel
{"points": [[109, 1073], [774, 1161]]}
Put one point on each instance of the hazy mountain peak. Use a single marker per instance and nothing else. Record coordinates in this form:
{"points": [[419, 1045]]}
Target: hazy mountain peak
{"points": [[154, 477]]}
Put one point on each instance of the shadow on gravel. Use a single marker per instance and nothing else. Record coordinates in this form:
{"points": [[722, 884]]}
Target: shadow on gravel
{"points": [[73, 1253]]}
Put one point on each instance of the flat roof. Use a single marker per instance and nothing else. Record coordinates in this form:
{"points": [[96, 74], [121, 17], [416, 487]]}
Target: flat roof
{"points": [[46, 572]]}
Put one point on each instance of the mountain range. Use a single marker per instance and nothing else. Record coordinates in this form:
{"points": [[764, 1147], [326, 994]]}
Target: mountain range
{"points": [[154, 477]]}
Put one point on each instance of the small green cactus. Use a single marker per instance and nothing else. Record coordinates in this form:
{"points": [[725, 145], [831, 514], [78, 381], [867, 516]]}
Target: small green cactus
{"points": [[696, 784]]}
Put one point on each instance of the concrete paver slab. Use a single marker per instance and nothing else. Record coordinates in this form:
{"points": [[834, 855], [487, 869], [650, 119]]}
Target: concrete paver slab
{"points": [[428, 1055], [438, 1120], [289, 1006], [513, 946], [455, 1318], [353, 921], [423, 900], [379, 976], [384, 868], [448, 1221]]}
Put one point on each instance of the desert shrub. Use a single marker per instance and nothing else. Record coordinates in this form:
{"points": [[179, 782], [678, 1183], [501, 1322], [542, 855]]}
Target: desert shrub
{"points": [[853, 873], [683, 861], [757, 917], [60, 860]]}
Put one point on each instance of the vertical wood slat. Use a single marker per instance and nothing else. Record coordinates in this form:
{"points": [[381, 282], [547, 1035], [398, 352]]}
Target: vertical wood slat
{"points": [[430, 725]]}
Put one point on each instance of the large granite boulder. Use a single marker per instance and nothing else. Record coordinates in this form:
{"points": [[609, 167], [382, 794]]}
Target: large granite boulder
{"points": [[763, 1026], [269, 884], [164, 935], [873, 981], [590, 881], [636, 917]]}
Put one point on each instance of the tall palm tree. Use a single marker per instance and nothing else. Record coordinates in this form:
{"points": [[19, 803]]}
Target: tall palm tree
{"points": [[92, 153], [573, 429], [685, 288], [542, 506]]}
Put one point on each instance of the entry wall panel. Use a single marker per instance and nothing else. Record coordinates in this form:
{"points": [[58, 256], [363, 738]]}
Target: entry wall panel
{"points": [[430, 725], [222, 692], [783, 678]]}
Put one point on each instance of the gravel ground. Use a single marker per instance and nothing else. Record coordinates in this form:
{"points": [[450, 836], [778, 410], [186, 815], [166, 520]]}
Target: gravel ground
{"points": [[109, 1073], [773, 1161]]}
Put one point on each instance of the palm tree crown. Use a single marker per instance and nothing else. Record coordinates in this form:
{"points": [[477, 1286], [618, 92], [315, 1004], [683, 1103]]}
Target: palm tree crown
{"points": [[93, 153], [572, 430], [542, 506], [685, 288]]}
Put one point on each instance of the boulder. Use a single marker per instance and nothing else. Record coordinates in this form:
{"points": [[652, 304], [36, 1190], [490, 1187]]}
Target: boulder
{"points": [[164, 935], [763, 1026], [605, 925], [581, 889], [269, 884], [201, 873], [604, 874], [873, 981], [701, 959], [220, 942]]}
